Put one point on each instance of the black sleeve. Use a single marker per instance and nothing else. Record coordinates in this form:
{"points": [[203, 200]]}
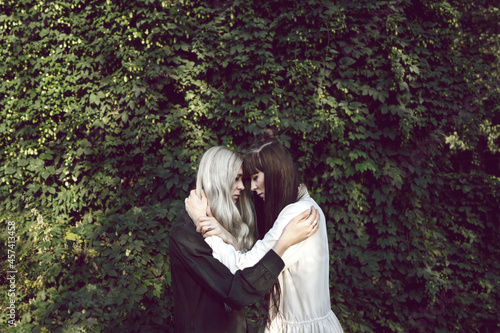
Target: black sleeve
{"points": [[243, 288]]}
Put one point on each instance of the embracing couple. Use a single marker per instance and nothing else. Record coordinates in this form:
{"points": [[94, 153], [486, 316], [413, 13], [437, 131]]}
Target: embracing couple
{"points": [[215, 276]]}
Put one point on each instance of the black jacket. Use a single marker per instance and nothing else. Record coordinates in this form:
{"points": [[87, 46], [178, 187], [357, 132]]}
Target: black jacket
{"points": [[207, 296]]}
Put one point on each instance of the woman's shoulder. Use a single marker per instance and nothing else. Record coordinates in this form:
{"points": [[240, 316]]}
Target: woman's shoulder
{"points": [[305, 202], [183, 225]]}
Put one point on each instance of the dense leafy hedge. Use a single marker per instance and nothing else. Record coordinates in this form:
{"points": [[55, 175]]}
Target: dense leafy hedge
{"points": [[105, 108]]}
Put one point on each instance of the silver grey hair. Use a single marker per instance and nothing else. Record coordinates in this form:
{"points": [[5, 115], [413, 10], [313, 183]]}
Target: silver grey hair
{"points": [[218, 169]]}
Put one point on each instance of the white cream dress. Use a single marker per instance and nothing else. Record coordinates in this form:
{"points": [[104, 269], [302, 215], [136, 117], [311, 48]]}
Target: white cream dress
{"points": [[305, 293]]}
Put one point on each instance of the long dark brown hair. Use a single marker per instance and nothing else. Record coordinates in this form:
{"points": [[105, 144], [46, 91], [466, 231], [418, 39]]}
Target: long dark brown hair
{"points": [[281, 186]]}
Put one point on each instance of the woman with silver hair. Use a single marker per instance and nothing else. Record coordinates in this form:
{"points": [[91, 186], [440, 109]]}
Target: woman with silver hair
{"points": [[220, 175], [207, 296]]}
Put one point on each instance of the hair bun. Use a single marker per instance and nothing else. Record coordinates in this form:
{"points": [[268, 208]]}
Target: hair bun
{"points": [[269, 134], [265, 136]]}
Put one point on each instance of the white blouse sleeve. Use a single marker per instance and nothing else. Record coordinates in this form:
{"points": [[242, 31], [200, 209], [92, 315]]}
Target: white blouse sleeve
{"points": [[236, 260]]}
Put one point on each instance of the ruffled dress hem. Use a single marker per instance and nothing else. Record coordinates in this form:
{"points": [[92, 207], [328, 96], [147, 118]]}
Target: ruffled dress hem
{"points": [[326, 324]]}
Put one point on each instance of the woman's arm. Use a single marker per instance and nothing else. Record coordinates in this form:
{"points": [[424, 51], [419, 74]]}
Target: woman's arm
{"points": [[300, 228], [189, 254], [199, 211], [289, 229], [209, 226], [295, 232]]}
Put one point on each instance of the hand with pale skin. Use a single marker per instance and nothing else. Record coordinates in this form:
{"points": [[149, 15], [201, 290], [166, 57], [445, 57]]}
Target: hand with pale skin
{"points": [[298, 229], [196, 207], [206, 224], [209, 226]]}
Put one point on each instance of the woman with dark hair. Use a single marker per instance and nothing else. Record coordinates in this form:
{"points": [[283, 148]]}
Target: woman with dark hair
{"points": [[300, 301]]}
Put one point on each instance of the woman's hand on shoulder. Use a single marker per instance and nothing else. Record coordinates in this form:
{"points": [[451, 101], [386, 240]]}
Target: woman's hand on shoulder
{"points": [[209, 226]]}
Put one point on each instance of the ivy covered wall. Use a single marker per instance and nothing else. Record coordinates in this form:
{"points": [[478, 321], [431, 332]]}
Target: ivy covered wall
{"points": [[106, 108]]}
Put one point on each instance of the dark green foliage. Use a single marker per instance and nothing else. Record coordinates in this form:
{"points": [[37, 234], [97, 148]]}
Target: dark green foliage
{"points": [[106, 107]]}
